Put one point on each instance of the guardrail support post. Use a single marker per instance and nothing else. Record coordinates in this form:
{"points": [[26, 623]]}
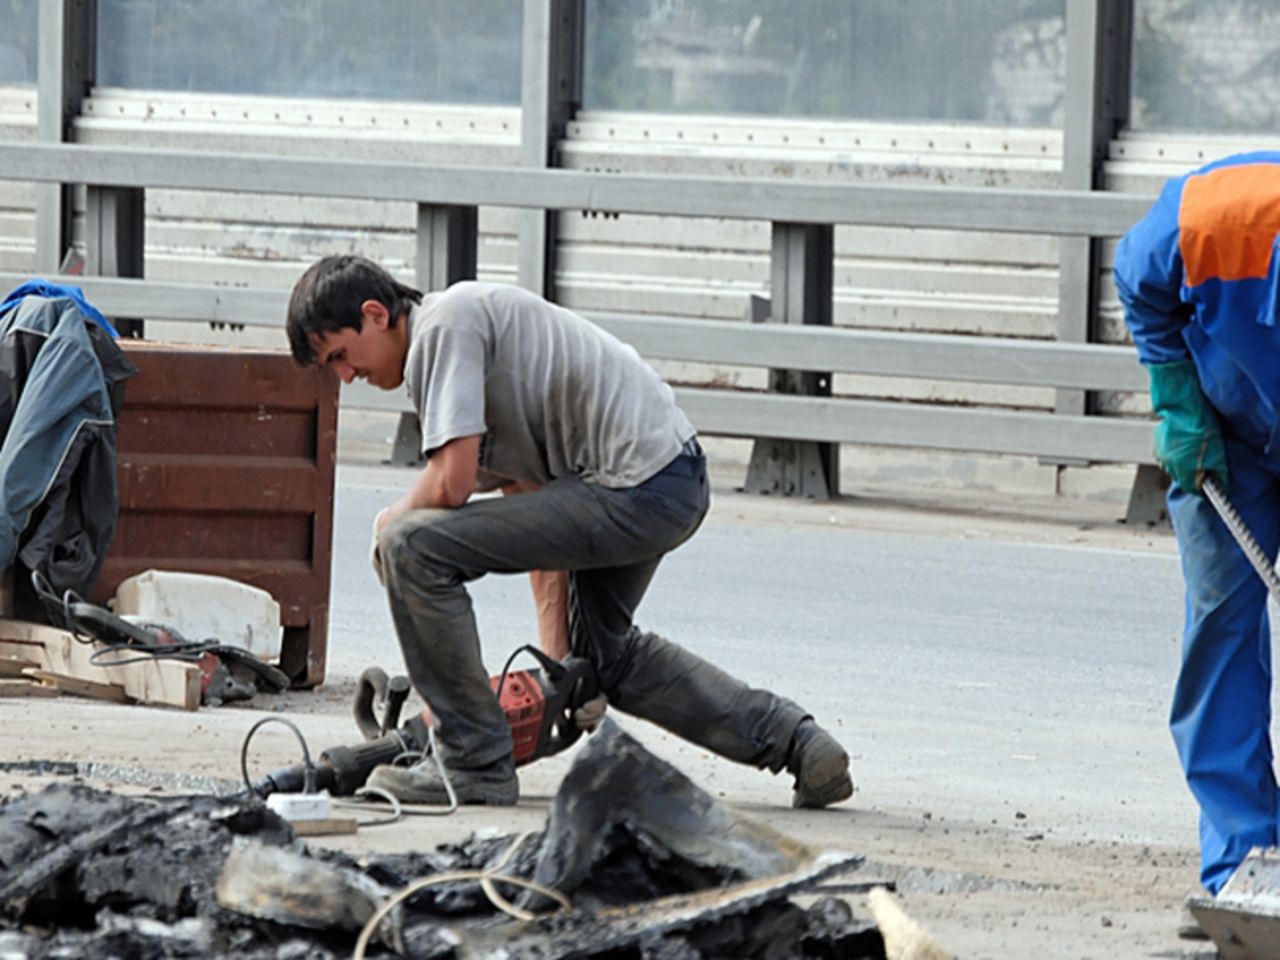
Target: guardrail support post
{"points": [[1147, 497], [551, 92], [1096, 107], [66, 35], [115, 224], [1099, 66], [801, 291], [446, 251]]}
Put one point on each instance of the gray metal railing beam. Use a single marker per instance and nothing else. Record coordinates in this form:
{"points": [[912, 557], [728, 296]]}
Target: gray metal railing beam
{"points": [[837, 420], [931, 356], [197, 302], [950, 357], [740, 413], [925, 356], [1059, 212]]}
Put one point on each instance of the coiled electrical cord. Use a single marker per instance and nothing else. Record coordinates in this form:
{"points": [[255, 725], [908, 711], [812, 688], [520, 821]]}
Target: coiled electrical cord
{"points": [[308, 768], [142, 642], [487, 878], [399, 809]]}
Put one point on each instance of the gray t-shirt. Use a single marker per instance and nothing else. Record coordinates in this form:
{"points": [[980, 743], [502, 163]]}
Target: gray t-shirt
{"points": [[552, 394]]}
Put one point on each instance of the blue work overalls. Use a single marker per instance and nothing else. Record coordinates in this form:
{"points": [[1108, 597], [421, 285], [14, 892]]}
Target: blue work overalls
{"points": [[1198, 277]]}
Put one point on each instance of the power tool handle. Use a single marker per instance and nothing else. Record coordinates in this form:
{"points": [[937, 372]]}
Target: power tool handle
{"points": [[376, 687], [577, 673], [397, 693], [581, 677], [371, 687]]}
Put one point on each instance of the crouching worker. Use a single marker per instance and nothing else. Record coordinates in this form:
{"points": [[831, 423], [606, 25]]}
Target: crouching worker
{"points": [[516, 393]]}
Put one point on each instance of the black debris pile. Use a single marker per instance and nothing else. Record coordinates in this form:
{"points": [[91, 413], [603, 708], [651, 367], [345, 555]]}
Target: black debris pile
{"points": [[656, 869], [87, 873]]}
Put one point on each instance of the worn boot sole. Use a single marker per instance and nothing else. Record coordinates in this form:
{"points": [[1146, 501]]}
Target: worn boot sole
{"points": [[410, 786], [824, 775]]}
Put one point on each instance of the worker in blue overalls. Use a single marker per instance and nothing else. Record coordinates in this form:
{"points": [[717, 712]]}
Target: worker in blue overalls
{"points": [[1199, 278]]}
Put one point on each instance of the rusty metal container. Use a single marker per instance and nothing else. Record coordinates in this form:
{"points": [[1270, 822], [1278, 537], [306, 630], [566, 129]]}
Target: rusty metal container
{"points": [[226, 467]]}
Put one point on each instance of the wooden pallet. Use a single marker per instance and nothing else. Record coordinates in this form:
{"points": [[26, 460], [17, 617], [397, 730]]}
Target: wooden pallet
{"points": [[36, 659]]}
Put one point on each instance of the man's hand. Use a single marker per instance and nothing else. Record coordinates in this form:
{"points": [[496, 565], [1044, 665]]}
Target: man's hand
{"points": [[1188, 440], [384, 517], [379, 524], [588, 716], [446, 481]]}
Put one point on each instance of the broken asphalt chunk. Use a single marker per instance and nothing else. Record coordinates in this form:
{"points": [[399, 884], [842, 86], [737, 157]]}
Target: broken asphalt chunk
{"points": [[296, 890], [617, 789]]}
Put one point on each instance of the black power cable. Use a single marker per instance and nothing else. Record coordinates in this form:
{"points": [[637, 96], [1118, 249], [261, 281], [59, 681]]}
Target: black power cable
{"points": [[309, 768], [138, 643]]}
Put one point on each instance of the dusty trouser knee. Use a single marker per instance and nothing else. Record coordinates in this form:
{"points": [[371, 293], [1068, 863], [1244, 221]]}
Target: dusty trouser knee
{"points": [[696, 700], [651, 677], [435, 624]]}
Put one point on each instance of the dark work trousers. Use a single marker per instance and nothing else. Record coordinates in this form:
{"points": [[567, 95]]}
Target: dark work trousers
{"points": [[611, 541]]}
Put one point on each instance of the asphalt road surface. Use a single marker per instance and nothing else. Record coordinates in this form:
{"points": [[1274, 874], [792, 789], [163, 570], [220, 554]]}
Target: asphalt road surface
{"points": [[1000, 679], [1000, 672]]}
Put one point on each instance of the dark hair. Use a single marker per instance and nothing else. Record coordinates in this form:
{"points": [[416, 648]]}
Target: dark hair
{"points": [[328, 297]]}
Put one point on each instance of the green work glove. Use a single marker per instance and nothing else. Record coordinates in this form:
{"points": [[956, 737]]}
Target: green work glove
{"points": [[1188, 443]]}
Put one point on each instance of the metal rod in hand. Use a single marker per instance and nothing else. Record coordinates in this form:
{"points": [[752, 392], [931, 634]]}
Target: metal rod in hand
{"points": [[1248, 542]]}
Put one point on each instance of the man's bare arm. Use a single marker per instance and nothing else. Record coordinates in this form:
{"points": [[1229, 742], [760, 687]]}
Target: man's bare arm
{"points": [[550, 597], [448, 480]]}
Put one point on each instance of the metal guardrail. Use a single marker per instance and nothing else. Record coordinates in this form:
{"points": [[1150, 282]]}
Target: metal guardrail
{"points": [[748, 414], [820, 419], [1060, 212], [1033, 363]]}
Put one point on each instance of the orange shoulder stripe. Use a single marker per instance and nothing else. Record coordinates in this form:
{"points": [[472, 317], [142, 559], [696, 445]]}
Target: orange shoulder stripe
{"points": [[1227, 222]]}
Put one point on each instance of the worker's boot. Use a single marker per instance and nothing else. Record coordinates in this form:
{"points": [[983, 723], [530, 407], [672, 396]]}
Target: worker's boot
{"points": [[496, 785], [820, 765]]}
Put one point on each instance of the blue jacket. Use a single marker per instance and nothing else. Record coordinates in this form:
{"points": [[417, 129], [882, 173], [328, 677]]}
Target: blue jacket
{"points": [[61, 382], [1199, 278]]}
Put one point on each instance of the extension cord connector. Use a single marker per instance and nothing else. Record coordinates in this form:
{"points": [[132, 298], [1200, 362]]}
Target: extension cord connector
{"points": [[302, 807]]}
